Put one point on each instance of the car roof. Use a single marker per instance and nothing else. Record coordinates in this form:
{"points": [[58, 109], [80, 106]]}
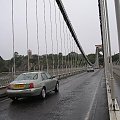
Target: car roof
{"points": [[35, 72]]}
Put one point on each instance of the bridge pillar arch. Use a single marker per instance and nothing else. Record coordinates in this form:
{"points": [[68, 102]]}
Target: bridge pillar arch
{"points": [[97, 57], [98, 49]]}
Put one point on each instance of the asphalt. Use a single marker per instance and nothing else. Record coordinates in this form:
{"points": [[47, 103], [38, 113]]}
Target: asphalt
{"points": [[81, 97]]}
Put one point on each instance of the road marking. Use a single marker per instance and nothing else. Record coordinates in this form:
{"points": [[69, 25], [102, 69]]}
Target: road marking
{"points": [[91, 105]]}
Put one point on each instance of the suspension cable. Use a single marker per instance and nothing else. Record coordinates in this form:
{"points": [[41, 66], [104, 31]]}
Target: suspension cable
{"points": [[56, 37], [27, 35], [71, 51], [37, 38], [61, 41], [64, 42], [53, 61], [77, 58], [67, 50], [75, 54], [72, 54], [45, 34], [13, 35]]}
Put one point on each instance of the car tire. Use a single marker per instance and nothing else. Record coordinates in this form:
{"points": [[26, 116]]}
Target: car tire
{"points": [[57, 87], [43, 93], [14, 98]]}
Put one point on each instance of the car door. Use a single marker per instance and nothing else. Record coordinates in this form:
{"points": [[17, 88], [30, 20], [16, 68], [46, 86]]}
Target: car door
{"points": [[46, 81], [40, 81], [52, 81]]}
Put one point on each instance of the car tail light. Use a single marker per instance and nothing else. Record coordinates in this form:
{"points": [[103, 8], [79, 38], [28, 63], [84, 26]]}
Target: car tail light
{"points": [[31, 85]]}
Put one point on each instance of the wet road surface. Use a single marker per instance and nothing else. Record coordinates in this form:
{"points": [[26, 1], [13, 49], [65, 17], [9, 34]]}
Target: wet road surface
{"points": [[81, 97]]}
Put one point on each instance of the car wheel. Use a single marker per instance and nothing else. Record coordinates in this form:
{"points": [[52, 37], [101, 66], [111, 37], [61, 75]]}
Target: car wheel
{"points": [[14, 98], [43, 93], [57, 87]]}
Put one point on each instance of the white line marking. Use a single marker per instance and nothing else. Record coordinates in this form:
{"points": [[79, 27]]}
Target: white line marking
{"points": [[91, 105]]}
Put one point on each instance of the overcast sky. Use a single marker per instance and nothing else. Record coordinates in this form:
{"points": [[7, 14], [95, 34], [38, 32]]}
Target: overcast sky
{"points": [[83, 15]]}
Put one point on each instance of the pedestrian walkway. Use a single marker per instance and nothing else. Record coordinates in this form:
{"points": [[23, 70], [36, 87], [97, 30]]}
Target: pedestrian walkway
{"points": [[100, 110]]}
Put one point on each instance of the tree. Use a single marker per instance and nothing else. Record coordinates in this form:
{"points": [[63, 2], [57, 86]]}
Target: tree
{"points": [[91, 58], [3, 67]]}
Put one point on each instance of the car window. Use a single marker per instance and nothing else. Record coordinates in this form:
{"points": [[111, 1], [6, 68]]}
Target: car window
{"points": [[35, 77], [27, 76], [44, 77], [48, 75]]}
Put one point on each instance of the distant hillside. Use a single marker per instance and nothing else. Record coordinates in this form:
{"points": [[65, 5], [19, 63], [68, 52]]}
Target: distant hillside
{"points": [[21, 62]]}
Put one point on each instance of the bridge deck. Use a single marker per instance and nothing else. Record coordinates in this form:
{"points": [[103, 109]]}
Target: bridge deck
{"points": [[81, 97]]}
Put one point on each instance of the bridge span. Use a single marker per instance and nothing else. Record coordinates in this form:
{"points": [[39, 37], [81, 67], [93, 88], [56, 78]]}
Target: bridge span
{"points": [[51, 44]]}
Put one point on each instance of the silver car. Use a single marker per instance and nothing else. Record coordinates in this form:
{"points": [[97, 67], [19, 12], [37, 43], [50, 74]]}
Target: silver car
{"points": [[90, 69], [32, 84]]}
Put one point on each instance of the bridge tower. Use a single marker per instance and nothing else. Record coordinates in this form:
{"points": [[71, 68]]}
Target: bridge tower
{"points": [[117, 9], [98, 49]]}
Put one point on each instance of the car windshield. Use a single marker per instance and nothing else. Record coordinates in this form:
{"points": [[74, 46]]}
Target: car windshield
{"points": [[27, 76], [89, 66]]}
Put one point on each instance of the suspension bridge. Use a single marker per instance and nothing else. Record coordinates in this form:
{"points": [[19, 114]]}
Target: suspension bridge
{"points": [[51, 44]]}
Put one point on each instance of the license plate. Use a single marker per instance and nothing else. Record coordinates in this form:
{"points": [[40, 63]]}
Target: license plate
{"points": [[19, 86]]}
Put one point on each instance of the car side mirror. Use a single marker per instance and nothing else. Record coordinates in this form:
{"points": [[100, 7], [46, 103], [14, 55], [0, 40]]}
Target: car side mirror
{"points": [[54, 76]]}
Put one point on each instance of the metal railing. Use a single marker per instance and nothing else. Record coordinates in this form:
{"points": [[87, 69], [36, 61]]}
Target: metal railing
{"points": [[7, 77]]}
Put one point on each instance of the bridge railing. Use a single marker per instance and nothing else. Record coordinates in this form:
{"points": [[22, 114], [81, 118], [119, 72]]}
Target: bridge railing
{"points": [[7, 77]]}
